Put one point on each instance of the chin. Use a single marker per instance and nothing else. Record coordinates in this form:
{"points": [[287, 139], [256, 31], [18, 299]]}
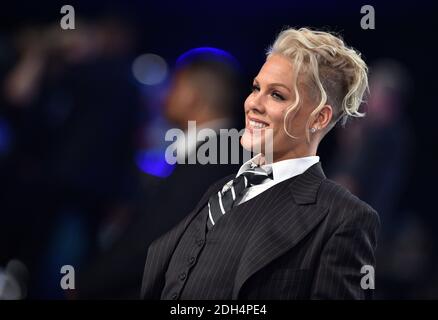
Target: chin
{"points": [[251, 142]]}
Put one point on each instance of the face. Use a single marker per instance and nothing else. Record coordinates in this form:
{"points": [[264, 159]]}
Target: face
{"points": [[266, 106], [179, 101]]}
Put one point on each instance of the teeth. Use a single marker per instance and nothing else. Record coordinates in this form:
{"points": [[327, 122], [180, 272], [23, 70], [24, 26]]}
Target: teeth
{"points": [[257, 125]]}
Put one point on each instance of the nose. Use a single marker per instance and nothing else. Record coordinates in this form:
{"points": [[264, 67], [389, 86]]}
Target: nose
{"points": [[254, 103]]}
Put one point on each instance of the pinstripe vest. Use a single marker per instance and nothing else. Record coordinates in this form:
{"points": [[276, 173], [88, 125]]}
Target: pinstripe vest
{"points": [[204, 264]]}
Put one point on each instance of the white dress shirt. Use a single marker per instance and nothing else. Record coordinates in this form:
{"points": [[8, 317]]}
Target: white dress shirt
{"points": [[281, 170]]}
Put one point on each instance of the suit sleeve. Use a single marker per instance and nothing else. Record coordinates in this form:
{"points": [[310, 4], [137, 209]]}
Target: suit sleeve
{"points": [[352, 246]]}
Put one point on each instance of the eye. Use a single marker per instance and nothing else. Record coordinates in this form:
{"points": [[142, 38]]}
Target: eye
{"points": [[277, 96], [254, 88]]}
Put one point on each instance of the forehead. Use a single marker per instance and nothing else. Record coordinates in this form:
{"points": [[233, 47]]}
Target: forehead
{"points": [[277, 68]]}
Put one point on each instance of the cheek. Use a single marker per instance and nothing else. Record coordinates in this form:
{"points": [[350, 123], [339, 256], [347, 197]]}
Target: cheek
{"points": [[294, 121], [247, 102], [282, 139], [183, 102], [277, 118]]}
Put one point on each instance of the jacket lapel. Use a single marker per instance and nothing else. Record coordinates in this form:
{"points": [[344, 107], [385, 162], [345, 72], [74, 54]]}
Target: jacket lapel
{"points": [[284, 224]]}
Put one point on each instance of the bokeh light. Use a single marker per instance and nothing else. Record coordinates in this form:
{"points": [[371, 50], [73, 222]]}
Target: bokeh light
{"points": [[149, 69]]}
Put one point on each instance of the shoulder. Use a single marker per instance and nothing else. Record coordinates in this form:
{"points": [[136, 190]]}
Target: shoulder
{"points": [[344, 206]]}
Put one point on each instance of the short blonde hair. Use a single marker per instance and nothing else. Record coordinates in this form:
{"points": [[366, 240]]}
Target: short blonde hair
{"points": [[335, 73]]}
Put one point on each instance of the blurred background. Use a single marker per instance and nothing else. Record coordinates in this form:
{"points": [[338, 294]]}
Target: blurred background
{"points": [[84, 112]]}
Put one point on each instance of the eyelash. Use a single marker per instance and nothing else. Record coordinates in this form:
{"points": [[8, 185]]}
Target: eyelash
{"points": [[275, 94], [254, 88]]}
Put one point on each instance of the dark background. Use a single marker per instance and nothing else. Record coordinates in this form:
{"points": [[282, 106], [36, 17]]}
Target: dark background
{"points": [[405, 32]]}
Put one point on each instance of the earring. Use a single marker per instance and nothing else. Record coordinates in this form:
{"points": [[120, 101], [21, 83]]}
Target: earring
{"points": [[313, 130]]}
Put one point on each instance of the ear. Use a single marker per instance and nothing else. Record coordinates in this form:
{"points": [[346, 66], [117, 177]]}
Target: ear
{"points": [[323, 118]]}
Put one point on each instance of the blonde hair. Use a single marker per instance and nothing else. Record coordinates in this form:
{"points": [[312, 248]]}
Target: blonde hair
{"points": [[334, 72]]}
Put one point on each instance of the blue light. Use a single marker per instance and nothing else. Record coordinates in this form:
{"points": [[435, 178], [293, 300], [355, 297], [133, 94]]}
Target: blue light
{"points": [[5, 137], [149, 69], [153, 162], [208, 53]]}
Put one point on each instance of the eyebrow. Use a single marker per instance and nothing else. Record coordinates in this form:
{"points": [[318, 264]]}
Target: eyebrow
{"points": [[275, 84]]}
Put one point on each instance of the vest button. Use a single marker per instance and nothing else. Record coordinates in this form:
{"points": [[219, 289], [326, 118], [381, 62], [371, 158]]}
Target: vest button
{"points": [[192, 260], [200, 242], [182, 276], [174, 296]]}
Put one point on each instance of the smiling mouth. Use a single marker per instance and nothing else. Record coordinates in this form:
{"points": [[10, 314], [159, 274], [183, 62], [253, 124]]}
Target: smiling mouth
{"points": [[254, 124]]}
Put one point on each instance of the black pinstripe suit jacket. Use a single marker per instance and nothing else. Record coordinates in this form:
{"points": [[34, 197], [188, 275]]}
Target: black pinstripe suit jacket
{"points": [[312, 242]]}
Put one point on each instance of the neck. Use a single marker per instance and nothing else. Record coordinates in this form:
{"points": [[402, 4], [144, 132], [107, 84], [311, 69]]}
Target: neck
{"points": [[293, 154]]}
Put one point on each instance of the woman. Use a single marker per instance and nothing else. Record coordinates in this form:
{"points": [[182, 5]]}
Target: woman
{"points": [[279, 229]]}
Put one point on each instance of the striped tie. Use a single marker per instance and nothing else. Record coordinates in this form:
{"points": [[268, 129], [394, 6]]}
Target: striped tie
{"points": [[222, 202]]}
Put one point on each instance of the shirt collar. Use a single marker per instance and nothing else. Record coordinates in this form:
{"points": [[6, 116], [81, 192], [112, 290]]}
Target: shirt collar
{"points": [[283, 169]]}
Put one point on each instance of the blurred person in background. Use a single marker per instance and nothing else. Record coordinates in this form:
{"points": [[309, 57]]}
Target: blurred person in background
{"points": [[378, 168], [74, 111], [205, 88]]}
